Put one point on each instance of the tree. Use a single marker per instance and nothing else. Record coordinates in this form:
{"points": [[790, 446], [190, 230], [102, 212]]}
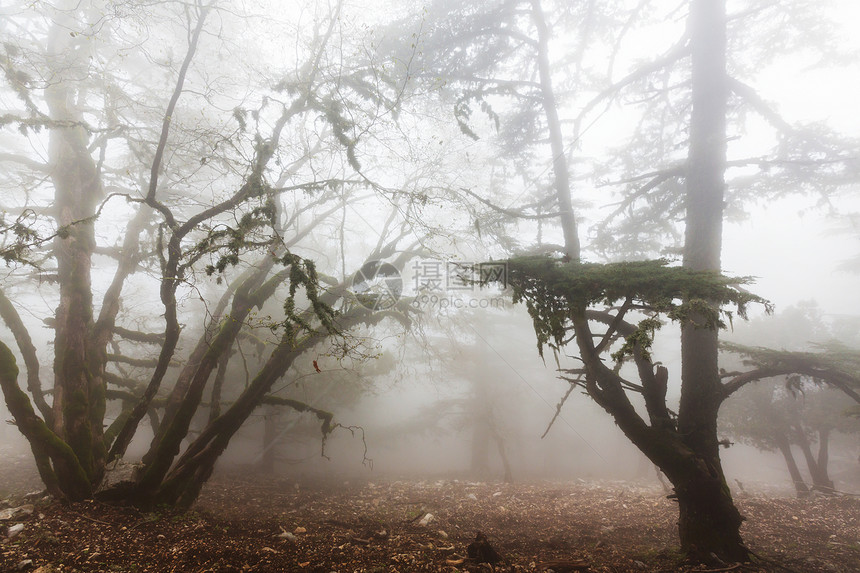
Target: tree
{"points": [[803, 405], [207, 192], [803, 410], [609, 312], [757, 416]]}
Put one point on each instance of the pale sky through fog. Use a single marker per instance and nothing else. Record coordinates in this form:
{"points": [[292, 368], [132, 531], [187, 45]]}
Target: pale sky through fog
{"points": [[792, 244]]}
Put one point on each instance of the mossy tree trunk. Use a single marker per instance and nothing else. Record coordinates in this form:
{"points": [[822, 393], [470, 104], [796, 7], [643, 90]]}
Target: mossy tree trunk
{"points": [[68, 440], [79, 390], [181, 485]]}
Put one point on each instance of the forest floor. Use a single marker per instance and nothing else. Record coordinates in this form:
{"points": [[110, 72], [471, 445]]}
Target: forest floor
{"points": [[245, 522]]}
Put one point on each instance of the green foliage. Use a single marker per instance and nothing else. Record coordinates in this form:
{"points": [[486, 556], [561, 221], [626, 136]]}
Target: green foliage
{"points": [[228, 242], [642, 337], [341, 128], [18, 237], [553, 289], [757, 415], [832, 362], [303, 273]]}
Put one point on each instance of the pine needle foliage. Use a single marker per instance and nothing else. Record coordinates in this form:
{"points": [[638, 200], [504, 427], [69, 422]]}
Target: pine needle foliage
{"points": [[553, 289], [831, 362]]}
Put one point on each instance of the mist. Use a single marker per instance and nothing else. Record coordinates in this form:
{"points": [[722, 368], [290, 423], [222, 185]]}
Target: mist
{"points": [[526, 254]]}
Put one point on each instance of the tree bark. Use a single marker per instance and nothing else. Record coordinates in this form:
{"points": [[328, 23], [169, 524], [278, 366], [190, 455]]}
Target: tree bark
{"points": [[58, 465], [78, 396], [785, 449], [820, 479], [687, 450], [709, 522], [270, 437], [824, 459], [479, 464]]}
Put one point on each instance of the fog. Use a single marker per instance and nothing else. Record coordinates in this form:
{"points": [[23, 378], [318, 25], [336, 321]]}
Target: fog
{"points": [[390, 241]]}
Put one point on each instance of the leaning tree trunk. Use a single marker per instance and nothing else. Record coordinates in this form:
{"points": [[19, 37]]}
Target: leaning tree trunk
{"points": [[181, 486], [785, 449]]}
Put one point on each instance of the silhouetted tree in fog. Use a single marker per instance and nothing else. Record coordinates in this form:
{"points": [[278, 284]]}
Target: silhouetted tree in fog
{"points": [[154, 163], [508, 58]]}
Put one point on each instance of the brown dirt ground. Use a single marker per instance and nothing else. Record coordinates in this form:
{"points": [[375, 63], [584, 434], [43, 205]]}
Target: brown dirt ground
{"points": [[242, 521]]}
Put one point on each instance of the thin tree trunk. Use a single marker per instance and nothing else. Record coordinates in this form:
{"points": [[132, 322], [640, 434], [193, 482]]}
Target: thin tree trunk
{"points": [[503, 454], [479, 464], [270, 436], [820, 479], [785, 449], [824, 459], [559, 155]]}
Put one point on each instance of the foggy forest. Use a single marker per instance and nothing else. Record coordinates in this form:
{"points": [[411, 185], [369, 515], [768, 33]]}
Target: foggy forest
{"points": [[387, 286]]}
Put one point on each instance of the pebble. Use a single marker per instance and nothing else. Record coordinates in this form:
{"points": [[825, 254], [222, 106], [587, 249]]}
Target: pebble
{"points": [[14, 530], [425, 521], [472, 496], [16, 512]]}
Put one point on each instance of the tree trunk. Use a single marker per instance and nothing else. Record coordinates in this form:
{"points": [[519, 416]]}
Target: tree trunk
{"points": [[820, 479], [503, 454], [270, 437], [167, 443], [824, 459], [785, 449], [686, 451], [183, 483], [79, 388], [479, 465], [709, 522], [56, 462], [559, 155]]}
